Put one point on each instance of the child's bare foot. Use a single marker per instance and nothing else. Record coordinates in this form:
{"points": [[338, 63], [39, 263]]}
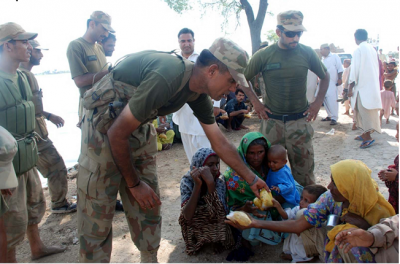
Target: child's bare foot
{"points": [[243, 127], [47, 251], [354, 127], [285, 256], [387, 121]]}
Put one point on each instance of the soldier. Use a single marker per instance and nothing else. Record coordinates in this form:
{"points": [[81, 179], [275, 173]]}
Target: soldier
{"points": [[85, 57], [26, 202], [50, 164], [124, 158], [284, 68], [8, 180], [108, 44]]}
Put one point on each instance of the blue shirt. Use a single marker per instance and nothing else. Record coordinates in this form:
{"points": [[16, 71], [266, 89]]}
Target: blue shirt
{"points": [[233, 106], [284, 180]]}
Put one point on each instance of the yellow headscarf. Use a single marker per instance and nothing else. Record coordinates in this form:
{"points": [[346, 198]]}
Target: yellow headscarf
{"points": [[354, 182]]}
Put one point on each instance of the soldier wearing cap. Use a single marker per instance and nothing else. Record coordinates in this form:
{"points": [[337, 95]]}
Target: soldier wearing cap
{"points": [[124, 159], [8, 180], [50, 164], [286, 111], [26, 202], [87, 61]]}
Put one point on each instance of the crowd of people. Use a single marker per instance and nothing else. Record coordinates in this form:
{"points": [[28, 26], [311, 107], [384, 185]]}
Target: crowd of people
{"points": [[129, 111]]}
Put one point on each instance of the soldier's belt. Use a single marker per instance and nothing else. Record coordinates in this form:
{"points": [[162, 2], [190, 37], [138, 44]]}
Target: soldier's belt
{"points": [[286, 118]]}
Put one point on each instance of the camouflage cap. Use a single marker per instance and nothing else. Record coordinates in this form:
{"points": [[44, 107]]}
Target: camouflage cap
{"points": [[291, 20], [233, 56], [35, 44], [102, 18], [13, 31], [8, 149], [325, 45]]}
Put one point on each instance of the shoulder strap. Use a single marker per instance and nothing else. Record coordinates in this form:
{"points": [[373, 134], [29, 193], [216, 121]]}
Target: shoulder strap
{"points": [[21, 85], [186, 75]]}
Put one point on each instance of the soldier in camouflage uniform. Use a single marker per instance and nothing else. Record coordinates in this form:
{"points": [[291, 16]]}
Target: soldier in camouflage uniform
{"points": [[50, 164], [286, 112], [124, 159], [26, 203]]}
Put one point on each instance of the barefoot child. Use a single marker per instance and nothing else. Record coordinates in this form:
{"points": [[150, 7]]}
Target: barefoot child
{"points": [[279, 178], [293, 248], [203, 204], [388, 100]]}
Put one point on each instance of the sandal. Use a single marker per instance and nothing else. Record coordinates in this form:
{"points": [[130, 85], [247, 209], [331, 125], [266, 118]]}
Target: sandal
{"points": [[367, 144], [326, 119], [359, 138]]}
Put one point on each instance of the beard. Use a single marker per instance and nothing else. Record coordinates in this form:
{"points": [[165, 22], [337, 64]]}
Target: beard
{"points": [[34, 61]]}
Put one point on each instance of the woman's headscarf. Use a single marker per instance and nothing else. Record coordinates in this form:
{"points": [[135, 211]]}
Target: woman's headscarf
{"points": [[238, 190], [353, 180], [187, 184]]}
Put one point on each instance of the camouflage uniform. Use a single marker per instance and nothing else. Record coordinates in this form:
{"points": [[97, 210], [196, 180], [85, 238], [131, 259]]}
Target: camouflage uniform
{"points": [[50, 163]]}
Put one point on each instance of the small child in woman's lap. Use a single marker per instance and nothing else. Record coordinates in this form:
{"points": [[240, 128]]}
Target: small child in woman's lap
{"points": [[280, 178], [293, 248]]}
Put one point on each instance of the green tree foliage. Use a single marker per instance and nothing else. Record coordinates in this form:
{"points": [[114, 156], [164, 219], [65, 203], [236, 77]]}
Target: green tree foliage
{"points": [[271, 36]]}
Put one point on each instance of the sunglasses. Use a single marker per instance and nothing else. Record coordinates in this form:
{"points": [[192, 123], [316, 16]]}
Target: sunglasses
{"points": [[292, 34]]}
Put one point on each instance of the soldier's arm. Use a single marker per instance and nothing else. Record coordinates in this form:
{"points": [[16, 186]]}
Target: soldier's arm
{"points": [[258, 106], [87, 79], [227, 152], [118, 136]]}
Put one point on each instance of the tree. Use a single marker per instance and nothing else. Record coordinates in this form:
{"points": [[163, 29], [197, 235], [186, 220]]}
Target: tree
{"points": [[272, 37], [228, 8]]}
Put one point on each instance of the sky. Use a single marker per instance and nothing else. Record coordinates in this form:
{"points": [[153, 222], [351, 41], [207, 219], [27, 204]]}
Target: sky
{"points": [[151, 24]]}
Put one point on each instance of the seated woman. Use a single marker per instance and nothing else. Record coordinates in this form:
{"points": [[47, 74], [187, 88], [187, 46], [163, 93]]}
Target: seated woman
{"points": [[253, 149], [203, 204], [354, 196]]}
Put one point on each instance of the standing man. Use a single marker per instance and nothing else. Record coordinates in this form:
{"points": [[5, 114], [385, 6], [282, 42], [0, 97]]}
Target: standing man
{"points": [[26, 202], [334, 65], [108, 44], [284, 66], [364, 88], [86, 59], [124, 159], [382, 57], [50, 164], [192, 134]]}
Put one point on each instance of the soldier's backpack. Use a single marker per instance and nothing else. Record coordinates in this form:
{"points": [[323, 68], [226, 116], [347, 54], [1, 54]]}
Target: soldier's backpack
{"points": [[108, 97], [17, 115]]}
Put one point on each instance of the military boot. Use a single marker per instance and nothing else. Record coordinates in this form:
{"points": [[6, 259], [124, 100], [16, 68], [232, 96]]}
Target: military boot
{"points": [[149, 256]]}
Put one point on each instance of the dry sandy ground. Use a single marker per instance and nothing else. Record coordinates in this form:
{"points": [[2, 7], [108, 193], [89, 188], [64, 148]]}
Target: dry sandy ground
{"points": [[172, 164]]}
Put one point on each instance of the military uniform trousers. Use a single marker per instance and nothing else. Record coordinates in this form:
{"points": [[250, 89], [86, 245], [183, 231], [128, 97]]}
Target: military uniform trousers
{"points": [[51, 165], [296, 136], [98, 184], [26, 206]]}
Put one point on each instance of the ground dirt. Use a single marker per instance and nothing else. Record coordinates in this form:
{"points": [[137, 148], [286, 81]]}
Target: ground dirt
{"points": [[173, 164]]}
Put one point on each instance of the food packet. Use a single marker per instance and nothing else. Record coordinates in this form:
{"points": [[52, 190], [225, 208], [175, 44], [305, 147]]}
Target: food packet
{"points": [[265, 201], [239, 217]]}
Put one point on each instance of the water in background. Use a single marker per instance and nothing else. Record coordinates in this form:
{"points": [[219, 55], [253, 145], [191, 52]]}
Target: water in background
{"points": [[60, 97]]}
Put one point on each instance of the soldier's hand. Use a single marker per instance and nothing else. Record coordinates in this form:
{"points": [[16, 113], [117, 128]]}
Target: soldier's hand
{"points": [[260, 184], [57, 120], [312, 111], [145, 196], [261, 110]]}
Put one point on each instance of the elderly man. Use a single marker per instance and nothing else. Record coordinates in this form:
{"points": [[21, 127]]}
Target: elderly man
{"points": [[87, 61], [50, 164], [364, 88], [123, 157], [334, 65], [192, 134], [26, 202], [284, 66]]}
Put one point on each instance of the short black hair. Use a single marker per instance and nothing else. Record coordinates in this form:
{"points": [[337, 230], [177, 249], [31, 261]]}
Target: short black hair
{"points": [[238, 90], [315, 189], [388, 84], [393, 62], [88, 21], [186, 31], [206, 58], [361, 34], [110, 36]]}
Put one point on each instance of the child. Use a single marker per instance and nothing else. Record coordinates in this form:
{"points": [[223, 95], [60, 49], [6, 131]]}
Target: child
{"points": [[293, 248], [203, 204], [391, 178], [279, 178], [165, 135], [388, 100]]}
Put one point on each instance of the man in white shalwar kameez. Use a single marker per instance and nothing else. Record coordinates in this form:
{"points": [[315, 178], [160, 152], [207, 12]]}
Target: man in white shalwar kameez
{"points": [[334, 65], [364, 88]]}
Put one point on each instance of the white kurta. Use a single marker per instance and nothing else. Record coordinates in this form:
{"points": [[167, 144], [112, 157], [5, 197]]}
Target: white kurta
{"points": [[334, 66], [192, 134], [312, 83]]}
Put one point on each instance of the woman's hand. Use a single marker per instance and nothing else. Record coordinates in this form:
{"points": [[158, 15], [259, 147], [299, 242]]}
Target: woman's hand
{"points": [[249, 208], [196, 176], [205, 173], [353, 237], [388, 175], [240, 227], [355, 220]]}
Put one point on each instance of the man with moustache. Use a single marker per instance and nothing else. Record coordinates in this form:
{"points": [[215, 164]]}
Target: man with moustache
{"points": [[108, 44], [286, 112], [50, 163], [86, 59], [26, 202]]}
